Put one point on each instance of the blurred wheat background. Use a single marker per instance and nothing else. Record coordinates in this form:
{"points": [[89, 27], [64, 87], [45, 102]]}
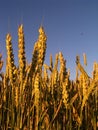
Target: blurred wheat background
{"points": [[38, 96]]}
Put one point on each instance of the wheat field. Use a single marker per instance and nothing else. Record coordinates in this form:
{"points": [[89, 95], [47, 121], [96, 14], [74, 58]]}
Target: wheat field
{"points": [[38, 96]]}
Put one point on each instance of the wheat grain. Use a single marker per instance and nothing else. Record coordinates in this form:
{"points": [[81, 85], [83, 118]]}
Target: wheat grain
{"points": [[21, 52], [10, 57]]}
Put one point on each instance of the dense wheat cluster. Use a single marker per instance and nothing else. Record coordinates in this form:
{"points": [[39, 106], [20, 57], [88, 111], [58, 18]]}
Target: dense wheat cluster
{"points": [[38, 96]]}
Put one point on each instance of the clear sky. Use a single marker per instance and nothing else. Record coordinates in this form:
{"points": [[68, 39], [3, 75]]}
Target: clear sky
{"points": [[71, 27]]}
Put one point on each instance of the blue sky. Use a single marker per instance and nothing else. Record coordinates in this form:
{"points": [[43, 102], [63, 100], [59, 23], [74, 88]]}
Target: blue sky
{"points": [[71, 27]]}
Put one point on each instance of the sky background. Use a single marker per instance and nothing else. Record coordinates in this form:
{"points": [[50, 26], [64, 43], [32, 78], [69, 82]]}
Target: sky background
{"points": [[71, 27]]}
